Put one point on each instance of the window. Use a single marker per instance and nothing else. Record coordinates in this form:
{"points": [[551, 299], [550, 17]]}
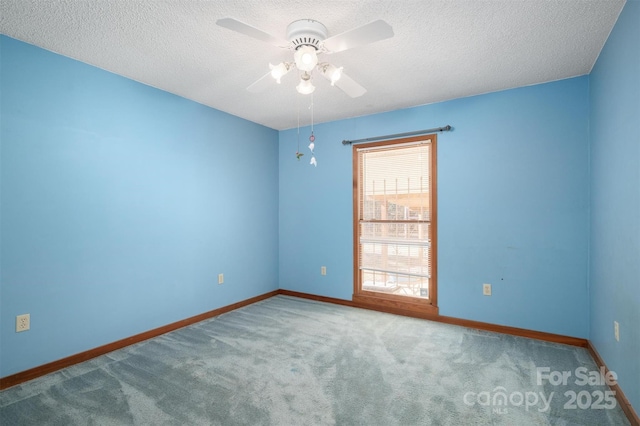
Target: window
{"points": [[395, 223]]}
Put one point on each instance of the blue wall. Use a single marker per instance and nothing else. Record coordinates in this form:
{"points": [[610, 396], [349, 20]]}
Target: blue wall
{"points": [[615, 201], [121, 203], [513, 200], [120, 206]]}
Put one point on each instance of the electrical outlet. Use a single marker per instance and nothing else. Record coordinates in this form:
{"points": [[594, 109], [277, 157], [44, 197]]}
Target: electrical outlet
{"points": [[486, 289], [616, 330], [323, 270], [220, 278], [23, 323]]}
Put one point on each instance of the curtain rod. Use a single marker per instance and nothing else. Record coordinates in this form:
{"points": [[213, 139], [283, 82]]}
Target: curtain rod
{"points": [[398, 135]]}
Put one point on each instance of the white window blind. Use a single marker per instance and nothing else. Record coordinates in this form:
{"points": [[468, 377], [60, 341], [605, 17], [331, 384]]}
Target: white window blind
{"points": [[394, 187]]}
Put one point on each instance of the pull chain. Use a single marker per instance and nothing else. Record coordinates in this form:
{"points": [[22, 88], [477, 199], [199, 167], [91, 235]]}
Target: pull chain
{"points": [[312, 138], [298, 153]]}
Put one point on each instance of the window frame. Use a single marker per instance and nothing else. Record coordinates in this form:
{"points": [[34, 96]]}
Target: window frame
{"points": [[385, 301]]}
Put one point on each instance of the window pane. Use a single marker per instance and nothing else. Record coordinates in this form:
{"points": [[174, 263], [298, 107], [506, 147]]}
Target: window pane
{"points": [[395, 250], [408, 233], [398, 284], [395, 184]]}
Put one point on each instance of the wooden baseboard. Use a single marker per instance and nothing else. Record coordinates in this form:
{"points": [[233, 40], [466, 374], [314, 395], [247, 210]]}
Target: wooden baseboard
{"points": [[515, 331], [23, 376], [620, 396], [317, 298], [539, 335]]}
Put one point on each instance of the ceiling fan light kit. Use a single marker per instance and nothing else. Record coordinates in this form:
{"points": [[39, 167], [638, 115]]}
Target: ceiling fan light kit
{"points": [[308, 39]]}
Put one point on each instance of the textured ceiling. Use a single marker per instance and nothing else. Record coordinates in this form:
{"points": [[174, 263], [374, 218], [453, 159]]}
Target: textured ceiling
{"points": [[441, 49]]}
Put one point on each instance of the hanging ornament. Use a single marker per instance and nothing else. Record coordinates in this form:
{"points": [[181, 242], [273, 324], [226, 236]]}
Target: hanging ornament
{"points": [[311, 146]]}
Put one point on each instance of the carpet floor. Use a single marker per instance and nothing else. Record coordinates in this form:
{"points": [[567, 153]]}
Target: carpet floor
{"points": [[289, 361]]}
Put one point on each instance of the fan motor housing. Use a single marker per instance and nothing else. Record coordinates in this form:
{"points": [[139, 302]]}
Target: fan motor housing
{"points": [[306, 32]]}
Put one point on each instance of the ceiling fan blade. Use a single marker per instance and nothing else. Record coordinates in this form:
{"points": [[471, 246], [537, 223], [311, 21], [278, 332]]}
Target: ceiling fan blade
{"points": [[368, 33], [253, 32], [261, 84], [349, 86]]}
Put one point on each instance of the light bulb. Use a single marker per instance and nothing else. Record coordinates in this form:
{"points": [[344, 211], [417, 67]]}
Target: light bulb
{"points": [[306, 58], [335, 75]]}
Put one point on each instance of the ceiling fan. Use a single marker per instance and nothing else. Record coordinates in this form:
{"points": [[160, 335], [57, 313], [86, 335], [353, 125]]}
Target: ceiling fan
{"points": [[307, 38]]}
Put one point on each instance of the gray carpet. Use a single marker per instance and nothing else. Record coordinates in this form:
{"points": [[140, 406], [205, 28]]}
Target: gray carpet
{"points": [[288, 361]]}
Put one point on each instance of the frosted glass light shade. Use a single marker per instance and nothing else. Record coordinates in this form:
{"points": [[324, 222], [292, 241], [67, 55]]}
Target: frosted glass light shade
{"points": [[305, 87], [306, 58], [333, 73], [277, 71]]}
